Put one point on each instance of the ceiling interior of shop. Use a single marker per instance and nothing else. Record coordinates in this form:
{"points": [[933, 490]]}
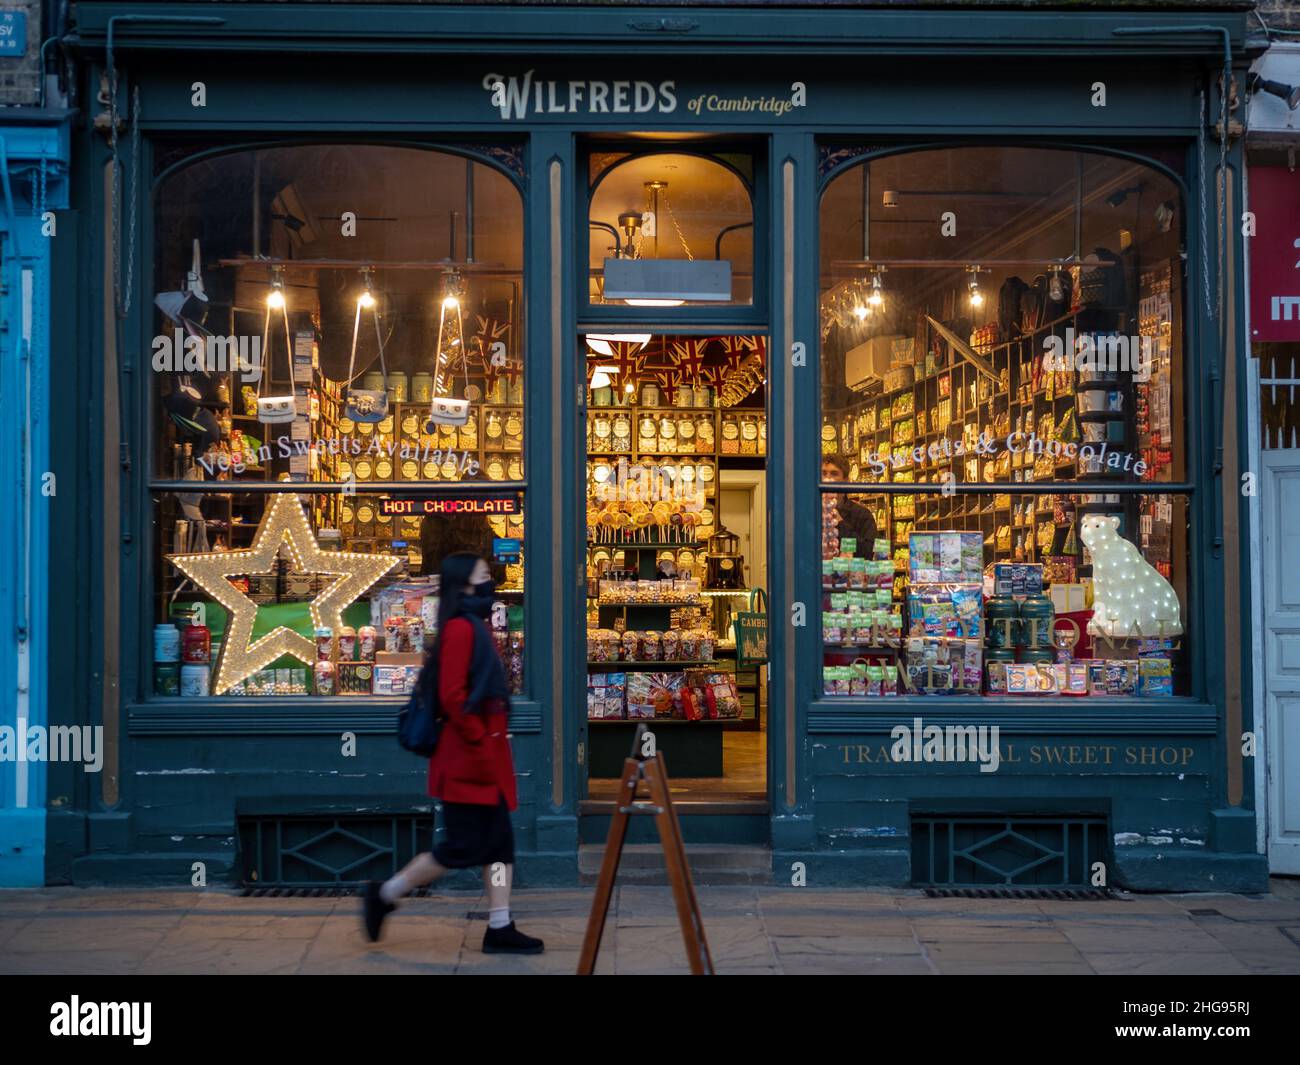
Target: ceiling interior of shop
{"points": [[1014, 204], [705, 197], [407, 204], [1006, 202]]}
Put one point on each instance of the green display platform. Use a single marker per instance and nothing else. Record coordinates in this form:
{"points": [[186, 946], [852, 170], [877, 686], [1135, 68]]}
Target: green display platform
{"points": [[270, 616]]}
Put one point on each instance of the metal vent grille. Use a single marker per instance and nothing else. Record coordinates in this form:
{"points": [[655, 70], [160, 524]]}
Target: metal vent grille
{"points": [[315, 893], [1058, 894], [1019, 852], [334, 851]]}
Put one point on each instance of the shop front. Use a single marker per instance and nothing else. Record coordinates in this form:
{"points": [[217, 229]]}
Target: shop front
{"points": [[854, 424]]}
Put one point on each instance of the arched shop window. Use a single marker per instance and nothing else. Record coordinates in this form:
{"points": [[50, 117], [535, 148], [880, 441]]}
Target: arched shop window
{"points": [[1003, 381], [344, 317], [669, 229]]}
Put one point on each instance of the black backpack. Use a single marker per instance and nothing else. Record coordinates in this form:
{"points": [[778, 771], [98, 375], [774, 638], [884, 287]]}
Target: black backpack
{"points": [[419, 723]]}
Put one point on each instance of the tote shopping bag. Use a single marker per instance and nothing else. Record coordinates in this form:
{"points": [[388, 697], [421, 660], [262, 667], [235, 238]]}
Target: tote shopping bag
{"points": [[275, 410], [365, 404], [751, 631], [445, 410]]}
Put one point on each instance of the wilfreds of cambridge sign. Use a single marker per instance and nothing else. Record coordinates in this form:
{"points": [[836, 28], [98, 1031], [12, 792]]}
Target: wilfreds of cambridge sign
{"points": [[519, 96]]}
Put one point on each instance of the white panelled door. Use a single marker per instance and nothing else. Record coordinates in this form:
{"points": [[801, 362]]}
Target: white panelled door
{"points": [[1280, 508]]}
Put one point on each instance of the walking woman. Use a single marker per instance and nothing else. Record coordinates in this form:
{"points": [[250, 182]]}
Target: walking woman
{"points": [[471, 770]]}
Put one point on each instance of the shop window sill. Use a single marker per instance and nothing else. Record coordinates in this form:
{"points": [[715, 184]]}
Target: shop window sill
{"points": [[369, 715], [1093, 715]]}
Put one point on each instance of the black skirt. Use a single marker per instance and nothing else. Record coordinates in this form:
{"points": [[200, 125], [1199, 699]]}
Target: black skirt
{"points": [[475, 835]]}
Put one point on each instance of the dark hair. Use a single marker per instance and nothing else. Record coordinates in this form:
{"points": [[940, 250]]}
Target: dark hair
{"points": [[453, 575]]}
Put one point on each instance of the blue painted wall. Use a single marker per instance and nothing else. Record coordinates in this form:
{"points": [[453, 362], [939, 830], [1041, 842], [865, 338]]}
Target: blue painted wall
{"points": [[33, 167]]}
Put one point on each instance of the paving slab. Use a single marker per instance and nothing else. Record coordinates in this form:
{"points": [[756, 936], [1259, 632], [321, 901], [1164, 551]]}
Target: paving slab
{"points": [[90, 932], [1129, 906], [189, 953], [72, 962], [1002, 954], [807, 922], [845, 965], [1030, 928], [1013, 968], [1165, 964], [1175, 937]]}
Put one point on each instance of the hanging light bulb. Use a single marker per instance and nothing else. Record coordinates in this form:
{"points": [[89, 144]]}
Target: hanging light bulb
{"points": [[861, 312], [366, 300], [976, 296], [1055, 287], [275, 298], [877, 296], [450, 331]]}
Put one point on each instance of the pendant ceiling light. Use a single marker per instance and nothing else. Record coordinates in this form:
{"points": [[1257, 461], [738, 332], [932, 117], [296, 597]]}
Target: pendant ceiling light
{"points": [[601, 343], [639, 281]]}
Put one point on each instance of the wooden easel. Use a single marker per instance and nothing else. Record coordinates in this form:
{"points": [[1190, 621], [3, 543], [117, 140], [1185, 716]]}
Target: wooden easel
{"points": [[660, 806]]}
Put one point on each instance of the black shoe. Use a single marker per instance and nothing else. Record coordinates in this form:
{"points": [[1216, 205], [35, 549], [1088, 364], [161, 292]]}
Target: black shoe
{"points": [[510, 940], [374, 909]]}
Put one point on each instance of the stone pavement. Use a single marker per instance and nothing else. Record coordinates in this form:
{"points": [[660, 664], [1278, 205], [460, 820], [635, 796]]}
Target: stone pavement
{"points": [[750, 930]]}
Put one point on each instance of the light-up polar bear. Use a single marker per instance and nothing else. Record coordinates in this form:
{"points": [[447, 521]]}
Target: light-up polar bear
{"points": [[1129, 598]]}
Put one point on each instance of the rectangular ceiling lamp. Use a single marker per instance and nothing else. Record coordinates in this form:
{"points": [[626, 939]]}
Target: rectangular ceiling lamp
{"points": [[675, 280]]}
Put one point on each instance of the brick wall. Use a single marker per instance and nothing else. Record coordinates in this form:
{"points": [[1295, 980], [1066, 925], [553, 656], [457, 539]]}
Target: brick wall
{"points": [[19, 74], [1281, 14]]}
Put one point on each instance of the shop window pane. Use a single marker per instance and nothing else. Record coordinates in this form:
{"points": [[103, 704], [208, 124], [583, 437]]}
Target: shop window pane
{"points": [[325, 312], [1003, 315], [281, 584], [995, 593], [670, 229]]}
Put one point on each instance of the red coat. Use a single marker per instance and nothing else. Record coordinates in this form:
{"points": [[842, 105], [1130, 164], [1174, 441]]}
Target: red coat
{"points": [[472, 763]]}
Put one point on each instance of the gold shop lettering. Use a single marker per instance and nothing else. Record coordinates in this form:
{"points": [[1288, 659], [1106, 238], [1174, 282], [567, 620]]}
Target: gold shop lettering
{"points": [[1049, 755], [516, 96]]}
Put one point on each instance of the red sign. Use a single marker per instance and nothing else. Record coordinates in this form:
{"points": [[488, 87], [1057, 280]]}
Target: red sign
{"points": [[1275, 254], [508, 504]]}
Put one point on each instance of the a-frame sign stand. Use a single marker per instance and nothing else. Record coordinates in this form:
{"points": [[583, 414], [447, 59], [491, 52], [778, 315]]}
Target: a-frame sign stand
{"points": [[658, 804]]}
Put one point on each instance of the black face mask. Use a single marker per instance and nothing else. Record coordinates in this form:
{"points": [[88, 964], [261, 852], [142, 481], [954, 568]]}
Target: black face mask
{"points": [[480, 603]]}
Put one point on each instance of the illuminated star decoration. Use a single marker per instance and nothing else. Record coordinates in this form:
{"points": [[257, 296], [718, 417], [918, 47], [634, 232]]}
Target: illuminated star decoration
{"points": [[283, 522]]}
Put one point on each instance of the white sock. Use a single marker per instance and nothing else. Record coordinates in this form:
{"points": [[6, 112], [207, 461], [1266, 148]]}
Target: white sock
{"points": [[499, 918], [396, 888]]}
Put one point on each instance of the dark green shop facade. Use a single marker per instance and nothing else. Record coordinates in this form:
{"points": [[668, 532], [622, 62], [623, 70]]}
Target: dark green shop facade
{"points": [[821, 116]]}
